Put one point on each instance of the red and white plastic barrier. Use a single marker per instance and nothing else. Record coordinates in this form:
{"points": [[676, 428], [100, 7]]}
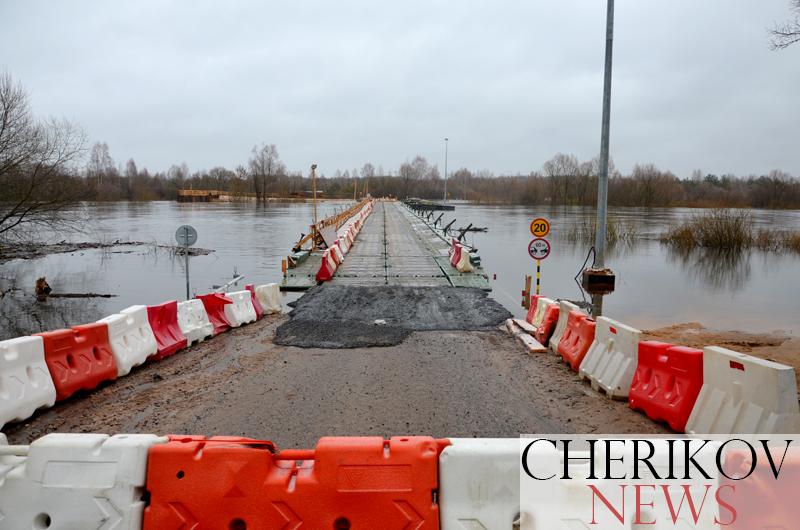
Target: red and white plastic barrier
{"points": [[214, 304], [577, 339], [241, 311], [612, 358], [667, 381], [564, 309], [742, 394], [193, 321], [163, 320], [269, 296], [545, 330], [75, 481], [25, 382], [131, 338], [79, 358], [327, 268]]}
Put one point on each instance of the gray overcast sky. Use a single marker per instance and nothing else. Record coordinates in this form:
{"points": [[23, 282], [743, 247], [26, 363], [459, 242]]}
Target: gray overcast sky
{"points": [[343, 83]]}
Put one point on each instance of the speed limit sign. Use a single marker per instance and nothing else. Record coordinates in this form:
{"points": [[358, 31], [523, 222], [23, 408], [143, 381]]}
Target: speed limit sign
{"points": [[540, 227], [539, 248]]}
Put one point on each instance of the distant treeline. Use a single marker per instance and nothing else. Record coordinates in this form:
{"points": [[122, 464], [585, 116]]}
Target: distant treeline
{"points": [[563, 180]]}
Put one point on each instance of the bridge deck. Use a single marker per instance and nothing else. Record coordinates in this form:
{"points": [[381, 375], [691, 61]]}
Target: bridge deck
{"points": [[394, 247]]}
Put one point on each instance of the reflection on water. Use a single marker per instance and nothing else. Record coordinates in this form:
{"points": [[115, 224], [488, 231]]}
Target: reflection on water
{"points": [[656, 284], [718, 270]]}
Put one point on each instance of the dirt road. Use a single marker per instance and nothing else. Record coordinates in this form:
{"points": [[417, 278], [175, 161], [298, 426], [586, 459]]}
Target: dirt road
{"points": [[443, 383]]}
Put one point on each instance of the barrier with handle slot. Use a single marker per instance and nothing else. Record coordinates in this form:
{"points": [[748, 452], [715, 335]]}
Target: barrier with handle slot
{"points": [[214, 304], [79, 358], [25, 382], [564, 309], [612, 358], [346, 482], [163, 320], [131, 338]]}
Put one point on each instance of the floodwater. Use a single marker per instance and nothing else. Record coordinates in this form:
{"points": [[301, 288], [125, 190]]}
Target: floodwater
{"points": [[656, 285]]}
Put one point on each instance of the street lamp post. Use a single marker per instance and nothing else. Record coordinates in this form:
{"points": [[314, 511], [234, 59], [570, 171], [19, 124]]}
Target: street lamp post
{"points": [[446, 140], [599, 280]]}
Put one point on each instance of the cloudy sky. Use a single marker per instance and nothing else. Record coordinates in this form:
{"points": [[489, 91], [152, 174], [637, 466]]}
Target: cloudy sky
{"points": [[344, 83]]}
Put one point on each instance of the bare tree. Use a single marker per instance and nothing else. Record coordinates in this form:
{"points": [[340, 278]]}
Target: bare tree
{"points": [[264, 165], [36, 159], [561, 170], [787, 33]]}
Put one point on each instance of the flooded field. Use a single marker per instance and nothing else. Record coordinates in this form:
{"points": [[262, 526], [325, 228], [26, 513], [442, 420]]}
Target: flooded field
{"points": [[656, 285]]}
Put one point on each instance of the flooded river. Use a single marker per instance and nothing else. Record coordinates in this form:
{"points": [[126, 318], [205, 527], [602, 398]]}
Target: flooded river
{"points": [[656, 285]]}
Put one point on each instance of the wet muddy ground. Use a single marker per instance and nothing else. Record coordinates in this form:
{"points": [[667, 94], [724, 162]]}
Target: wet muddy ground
{"points": [[441, 383]]}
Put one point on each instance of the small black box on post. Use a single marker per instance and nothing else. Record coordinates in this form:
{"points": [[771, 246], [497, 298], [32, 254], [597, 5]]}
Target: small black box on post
{"points": [[598, 281]]}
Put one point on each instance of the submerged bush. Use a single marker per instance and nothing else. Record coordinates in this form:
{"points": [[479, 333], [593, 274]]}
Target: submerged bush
{"points": [[729, 230]]}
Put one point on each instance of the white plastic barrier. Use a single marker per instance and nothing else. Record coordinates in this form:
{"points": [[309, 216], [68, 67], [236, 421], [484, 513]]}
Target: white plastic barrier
{"points": [[241, 311], [193, 321], [742, 394], [338, 252], [25, 382], [464, 264], [479, 483], [564, 308], [131, 338], [613, 357], [269, 296], [541, 307], [76, 481]]}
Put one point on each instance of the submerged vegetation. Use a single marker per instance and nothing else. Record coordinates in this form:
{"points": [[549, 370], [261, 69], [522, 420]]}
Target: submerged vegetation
{"points": [[617, 231], [729, 230]]}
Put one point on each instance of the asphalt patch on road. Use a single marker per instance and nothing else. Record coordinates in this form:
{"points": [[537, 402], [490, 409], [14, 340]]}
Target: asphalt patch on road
{"points": [[335, 316]]}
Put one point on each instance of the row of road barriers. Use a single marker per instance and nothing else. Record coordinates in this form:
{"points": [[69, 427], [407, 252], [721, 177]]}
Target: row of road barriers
{"points": [[180, 482], [36, 371], [345, 238], [708, 391]]}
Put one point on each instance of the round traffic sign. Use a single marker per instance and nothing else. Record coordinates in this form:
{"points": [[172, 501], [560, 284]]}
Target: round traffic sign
{"points": [[186, 235], [539, 248], [540, 227]]}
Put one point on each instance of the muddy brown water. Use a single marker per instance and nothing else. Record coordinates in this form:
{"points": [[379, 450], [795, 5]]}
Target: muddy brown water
{"points": [[656, 286]]}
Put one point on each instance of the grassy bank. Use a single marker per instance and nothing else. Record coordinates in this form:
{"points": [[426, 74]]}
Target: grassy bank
{"points": [[726, 229]]}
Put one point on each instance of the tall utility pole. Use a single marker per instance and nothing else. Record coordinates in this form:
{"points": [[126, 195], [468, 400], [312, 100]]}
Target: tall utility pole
{"points": [[599, 280], [446, 140], [602, 181]]}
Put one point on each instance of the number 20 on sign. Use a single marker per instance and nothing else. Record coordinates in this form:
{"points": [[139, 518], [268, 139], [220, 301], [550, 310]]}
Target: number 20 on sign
{"points": [[539, 248]]}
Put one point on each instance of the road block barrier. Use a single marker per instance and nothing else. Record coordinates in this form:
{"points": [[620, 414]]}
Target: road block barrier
{"points": [[194, 322], [241, 311], [564, 309], [79, 358], [666, 382], [545, 330], [577, 339], [338, 254], [541, 307], [742, 394], [464, 262], [455, 252], [25, 382], [254, 300], [347, 482], [214, 304], [327, 268], [612, 358], [532, 308], [479, 483], [269, 296], [163, 320], [76, 481], [131, 338]]}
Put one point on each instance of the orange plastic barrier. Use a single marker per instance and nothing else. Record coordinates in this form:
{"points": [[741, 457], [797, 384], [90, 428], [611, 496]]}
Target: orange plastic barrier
{"points": [[667, 382], [345, 483], [256, 303], [577, 339], [79, 358], [214, 305], [545, 331], [532, 310], [163, 320]]}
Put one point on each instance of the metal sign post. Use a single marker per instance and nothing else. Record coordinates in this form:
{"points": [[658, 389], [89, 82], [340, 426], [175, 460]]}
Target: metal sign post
{"points": [[186, 236], [539, 248]]}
